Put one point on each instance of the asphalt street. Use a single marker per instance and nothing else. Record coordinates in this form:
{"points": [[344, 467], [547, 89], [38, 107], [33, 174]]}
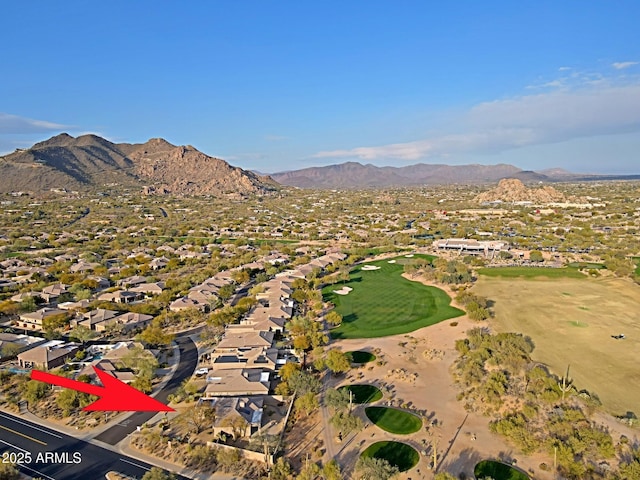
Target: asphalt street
{"points": [[50, 455], [186, 367]]}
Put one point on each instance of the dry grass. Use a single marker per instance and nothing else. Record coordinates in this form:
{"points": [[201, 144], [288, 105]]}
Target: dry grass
{"points": [[571, 322]]}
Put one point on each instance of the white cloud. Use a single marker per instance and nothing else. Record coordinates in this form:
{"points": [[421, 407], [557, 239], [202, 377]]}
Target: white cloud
{"points": [[13, 124], [623, 65], [596, 108]]}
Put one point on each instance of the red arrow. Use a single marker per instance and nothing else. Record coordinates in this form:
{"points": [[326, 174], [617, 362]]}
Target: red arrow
{"points": [[115, 395]]}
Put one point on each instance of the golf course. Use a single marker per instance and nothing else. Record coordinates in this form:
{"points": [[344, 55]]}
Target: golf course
{"points": [[573, 321], [398, 454], [377, 301], [393, 420]]}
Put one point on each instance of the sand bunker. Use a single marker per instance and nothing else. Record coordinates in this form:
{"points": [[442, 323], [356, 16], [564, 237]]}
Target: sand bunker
{"points": [[409, 255], [391, 261], [368, 268], [343, 291]]}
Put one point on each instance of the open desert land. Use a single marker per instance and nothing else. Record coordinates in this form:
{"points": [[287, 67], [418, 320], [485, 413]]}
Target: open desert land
{"points": [[571, 321]]}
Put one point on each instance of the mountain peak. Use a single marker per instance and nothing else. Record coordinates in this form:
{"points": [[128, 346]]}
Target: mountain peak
{"points": [[60, 140], [90, 160]]}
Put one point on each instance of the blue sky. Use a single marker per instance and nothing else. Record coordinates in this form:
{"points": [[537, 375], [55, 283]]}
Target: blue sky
{"points": [[286, 84]]}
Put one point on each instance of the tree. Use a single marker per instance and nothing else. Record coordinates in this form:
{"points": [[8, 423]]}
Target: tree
{"points": [[371, 468], [288, 370], [303, 382], [307, 403], [34, 391], [337, 361], [144, 365], [331, 471], [226, 292], [240, 276], [536, 256], [82, 333], [333, 318], [444, 476], [281, 470], [157, 473], [237, 424], [338, 399], [155, 336], [55, 322], [9, 349], [309, 471], [8, 471], [346, 422], [198, 417]]}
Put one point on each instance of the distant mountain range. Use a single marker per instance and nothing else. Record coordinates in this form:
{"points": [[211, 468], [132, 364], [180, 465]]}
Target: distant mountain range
{"points": [[356, 175], [156, 166]]}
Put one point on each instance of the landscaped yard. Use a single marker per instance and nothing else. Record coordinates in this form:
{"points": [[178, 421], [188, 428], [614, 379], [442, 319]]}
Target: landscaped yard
{"points": [[399, 454], [364, 393], [383, 303], [498, 471], [393, 420], [361, 357]]}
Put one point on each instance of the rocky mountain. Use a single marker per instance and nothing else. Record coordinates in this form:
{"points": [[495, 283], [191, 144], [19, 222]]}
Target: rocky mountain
{"points": [[157, 166], [513, 190], [356, 175]]}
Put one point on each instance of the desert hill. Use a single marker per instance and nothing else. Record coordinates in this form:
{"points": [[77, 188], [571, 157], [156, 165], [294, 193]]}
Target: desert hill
{"points": [[157, 166], [513, 190], [356, 175]]}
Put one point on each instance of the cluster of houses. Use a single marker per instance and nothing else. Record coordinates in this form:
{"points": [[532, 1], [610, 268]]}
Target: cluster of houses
{"points": [[241, 368]]}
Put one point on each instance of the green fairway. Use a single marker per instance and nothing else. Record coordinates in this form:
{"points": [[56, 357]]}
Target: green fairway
{"points": [[384, 303], [361, 357], [364, 393], [398, 454], [393, 420], [531, 272], [498, 471], [588, 265]]}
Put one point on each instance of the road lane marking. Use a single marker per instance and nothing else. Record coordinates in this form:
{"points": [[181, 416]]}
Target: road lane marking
{"points": [[135, 464], [14, 446], [23, 435], [30, 426], [40, 474]]}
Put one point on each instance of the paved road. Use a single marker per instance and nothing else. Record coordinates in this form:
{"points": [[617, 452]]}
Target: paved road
{"points": [[186, 367], [77, 459]]}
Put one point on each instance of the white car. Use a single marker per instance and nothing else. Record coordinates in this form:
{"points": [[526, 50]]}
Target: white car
{"points": [[202, 371]]}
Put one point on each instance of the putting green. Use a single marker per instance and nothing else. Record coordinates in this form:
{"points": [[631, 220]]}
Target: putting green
{"points": [[364, 393], [398, 454], [498, 471], [383, 303], [393, 420], [361, 357]]}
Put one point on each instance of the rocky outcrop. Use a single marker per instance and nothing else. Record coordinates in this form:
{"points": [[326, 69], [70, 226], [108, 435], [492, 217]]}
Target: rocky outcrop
{"points": [[513, 190]]}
